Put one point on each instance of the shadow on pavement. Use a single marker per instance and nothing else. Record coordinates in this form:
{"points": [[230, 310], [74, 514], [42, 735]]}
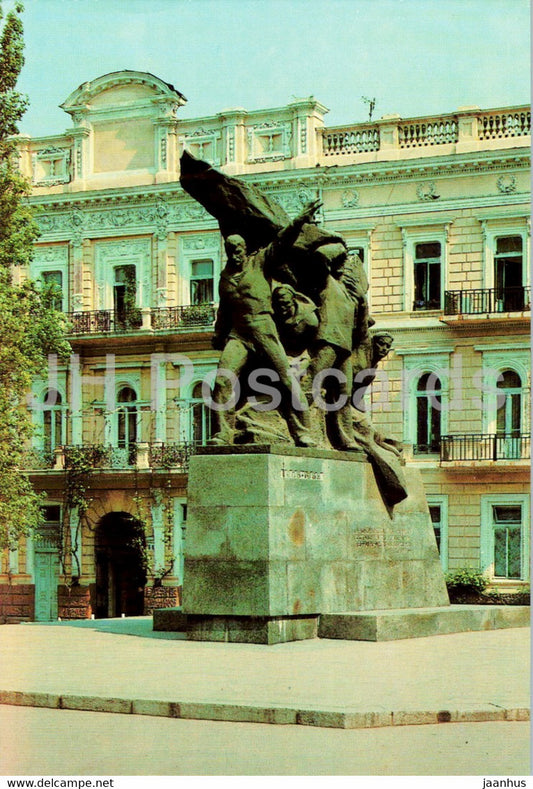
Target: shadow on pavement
{"points": [[133, 626]]}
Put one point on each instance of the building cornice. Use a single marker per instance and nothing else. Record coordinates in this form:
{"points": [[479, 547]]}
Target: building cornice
{"points": [[323, 177]]}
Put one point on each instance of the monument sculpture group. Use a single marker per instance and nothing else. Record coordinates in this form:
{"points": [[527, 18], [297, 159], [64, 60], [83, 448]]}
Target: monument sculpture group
{"points": [[298, 509], [303, 519], [292, 313]]}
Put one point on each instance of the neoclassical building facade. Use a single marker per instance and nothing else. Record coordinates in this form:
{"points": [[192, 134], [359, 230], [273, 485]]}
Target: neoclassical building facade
{"points": [[437, 208]]}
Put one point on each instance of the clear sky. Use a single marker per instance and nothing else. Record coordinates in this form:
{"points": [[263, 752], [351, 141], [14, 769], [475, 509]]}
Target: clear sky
{"points": [[416, 57]]}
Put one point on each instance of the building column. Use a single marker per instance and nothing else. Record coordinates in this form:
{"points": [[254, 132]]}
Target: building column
{"points": [[159, 536], [75, 542]]}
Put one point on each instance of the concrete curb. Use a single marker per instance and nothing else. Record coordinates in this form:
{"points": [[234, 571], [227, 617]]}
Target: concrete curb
{"points": [[248, 713]]}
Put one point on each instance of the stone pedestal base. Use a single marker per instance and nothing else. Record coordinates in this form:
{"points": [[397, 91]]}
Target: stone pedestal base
{"points": [[281, 535], [352, 626], [251, 629]]}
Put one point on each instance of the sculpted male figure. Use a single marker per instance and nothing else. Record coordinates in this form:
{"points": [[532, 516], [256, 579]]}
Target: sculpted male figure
{"points": [[245, 328], [340, 305]]}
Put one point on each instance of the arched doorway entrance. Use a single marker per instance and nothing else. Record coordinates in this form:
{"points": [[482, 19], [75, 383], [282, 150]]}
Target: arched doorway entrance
{"points": [[120, 566]]}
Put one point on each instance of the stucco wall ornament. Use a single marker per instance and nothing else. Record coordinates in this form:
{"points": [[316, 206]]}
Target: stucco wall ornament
{"points": [[294, 200], [76, 219], [162, 215], [349, 198], [201, 242], [426, 191], [506, 184], [51, 256]]}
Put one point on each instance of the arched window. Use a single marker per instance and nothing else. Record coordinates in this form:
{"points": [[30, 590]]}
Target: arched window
{"points": [[428, 413], [53, 421], [127, 418], [509, 405], [201, 417], [509, 415]]}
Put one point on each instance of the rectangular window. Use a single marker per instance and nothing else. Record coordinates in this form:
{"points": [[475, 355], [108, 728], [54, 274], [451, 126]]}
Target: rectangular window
{"points": [[436, 519], [127, 314], [201, 282], [427, 276], [508, 267], [53, 282], [438, 511], [507, 526]]}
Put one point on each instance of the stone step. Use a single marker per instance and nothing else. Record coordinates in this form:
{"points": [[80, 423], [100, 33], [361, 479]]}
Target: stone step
{"points": [[390, 625], [383, 625]]}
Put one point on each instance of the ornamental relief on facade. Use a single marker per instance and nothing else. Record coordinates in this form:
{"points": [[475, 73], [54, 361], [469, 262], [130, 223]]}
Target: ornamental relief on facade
{"points": [[152, 218], [51, 256], [427, 191], [506, 184], [269, 141], [349, 198], [195, 243], [292, 201]]}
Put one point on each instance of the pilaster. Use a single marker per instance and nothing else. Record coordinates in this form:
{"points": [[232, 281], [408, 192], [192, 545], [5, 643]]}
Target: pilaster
{"points": [[234, 153]]}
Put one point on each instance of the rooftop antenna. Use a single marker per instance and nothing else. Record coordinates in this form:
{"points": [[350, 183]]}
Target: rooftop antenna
{"points": [[371, 104]]}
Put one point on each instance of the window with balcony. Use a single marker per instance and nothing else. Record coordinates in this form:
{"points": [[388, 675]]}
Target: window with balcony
{"points": [[53, 421], [127, 425], [53, 287], [201, 282], [508, 274], [509, 414], [428, 414], [127, 314], [201, 418], [427, 276]]}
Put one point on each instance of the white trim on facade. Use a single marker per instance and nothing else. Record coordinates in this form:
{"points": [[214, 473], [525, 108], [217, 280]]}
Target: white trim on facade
{"points": [[442, 502], [434, 232], [487, 531], [497, 227]]}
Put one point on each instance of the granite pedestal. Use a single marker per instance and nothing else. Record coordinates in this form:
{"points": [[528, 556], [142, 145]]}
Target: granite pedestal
{"points": [[277, 536]]}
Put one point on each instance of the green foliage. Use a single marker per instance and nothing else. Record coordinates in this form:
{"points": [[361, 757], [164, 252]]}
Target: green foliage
{"points": [[30, 328], [133, 315], [466, 579], [143, 514]]}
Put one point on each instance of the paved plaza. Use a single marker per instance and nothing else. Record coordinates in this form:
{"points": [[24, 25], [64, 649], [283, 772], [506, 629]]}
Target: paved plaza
{"points": [[470, 676], [469, 689]]}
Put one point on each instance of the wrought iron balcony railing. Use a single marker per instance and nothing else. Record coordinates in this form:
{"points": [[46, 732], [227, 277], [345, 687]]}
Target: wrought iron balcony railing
{"points": [[98, 456], [482, 446], [141, 455], [184, 317], [175, 456], [104, 321], [38, 459], [479, 301]]}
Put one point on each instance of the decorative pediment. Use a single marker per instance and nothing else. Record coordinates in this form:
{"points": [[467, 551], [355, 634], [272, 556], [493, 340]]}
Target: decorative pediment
{"points": [[122, 90]]}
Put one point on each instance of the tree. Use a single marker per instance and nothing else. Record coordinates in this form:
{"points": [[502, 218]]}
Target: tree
{"points": [[30, 327]]}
